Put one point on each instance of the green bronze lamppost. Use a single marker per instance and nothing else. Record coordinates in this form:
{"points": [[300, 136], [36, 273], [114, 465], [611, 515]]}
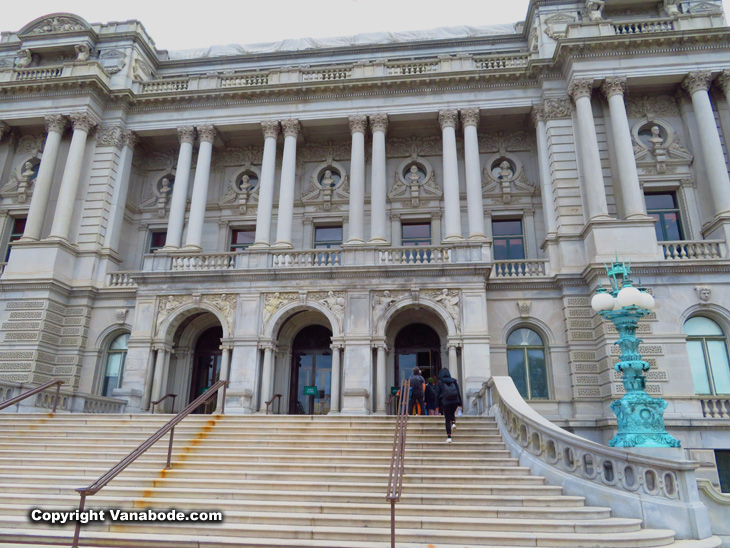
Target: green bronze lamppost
{"points": [[640, 417]]}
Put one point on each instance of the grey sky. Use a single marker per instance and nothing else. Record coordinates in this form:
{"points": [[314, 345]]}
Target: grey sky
{"points": [[195, 24]]}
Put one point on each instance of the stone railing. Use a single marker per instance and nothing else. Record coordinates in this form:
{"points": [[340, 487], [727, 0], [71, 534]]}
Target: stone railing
{"points": [[715, 407], [643, 27], [415, 255], [220, 261], [165, 86], [120, 279], [306, 259], [100, 404], [636, 482], [410, 68], [506, 62], [699, 250], [319, 75], [520, 269], [42, 73], [244, 80]]}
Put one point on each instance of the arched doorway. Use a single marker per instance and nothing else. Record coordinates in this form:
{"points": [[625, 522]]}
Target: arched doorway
{"points": [[417, 345], [311, 371], [206, 365]]}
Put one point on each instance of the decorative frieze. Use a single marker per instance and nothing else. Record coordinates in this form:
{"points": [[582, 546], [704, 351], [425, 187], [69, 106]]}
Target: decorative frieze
{"points": [[555, 108]]}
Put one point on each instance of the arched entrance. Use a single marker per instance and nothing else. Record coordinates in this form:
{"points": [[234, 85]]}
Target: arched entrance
{"points": [[311, 371], [206, 365], [417, 345]]}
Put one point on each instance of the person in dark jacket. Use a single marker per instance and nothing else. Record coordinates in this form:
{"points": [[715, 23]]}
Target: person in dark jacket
{"points": [[430, 396], [448, 398], [416, 382]]}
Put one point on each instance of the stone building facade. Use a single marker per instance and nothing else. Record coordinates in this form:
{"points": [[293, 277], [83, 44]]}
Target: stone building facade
{"points": [[314, 222]]}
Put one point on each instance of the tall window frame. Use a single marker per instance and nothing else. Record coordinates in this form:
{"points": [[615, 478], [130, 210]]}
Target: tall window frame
{"points": [[157, 239], [242, 238], [416, 233], [708, 356], [17, 228], [527, 362], [326, 236], [508, 244], [115, 358], [663, 206]]}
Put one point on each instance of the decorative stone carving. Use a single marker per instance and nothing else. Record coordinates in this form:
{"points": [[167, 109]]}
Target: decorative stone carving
{"points": [[524, 308], [226, 304], [704, 293], [661, 152], [56, 122], [26, 179], [420, 146], [415, 179], [650, 106], [82, 121], [121, 315], [290, 127], [57, 24], [334, 300], [595, 9], [671, 8], [141, 70], [129, 138], [379, 122], [502, 141], [164, 190], [358, 124], [449, 300], [270, 128], [167, 306], [316, 152], [82, 52], [243, 188], [504, 178], [23, 58], [206, 133], [556, 25], [470, 117], [557, 107], [448, 118], [113, 60], [30, 145], [580, 87], [274, 301], [328, 185], [695, 81], [186, 134], [110, 137], [614, 85]]}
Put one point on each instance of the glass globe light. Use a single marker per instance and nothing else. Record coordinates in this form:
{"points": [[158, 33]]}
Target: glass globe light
{"points": [[647, 301], [602, 302], [629, 296]]}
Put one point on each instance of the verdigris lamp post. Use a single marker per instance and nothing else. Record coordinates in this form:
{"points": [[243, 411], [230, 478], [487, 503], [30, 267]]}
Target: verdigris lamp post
{"points": [[640, 417]]}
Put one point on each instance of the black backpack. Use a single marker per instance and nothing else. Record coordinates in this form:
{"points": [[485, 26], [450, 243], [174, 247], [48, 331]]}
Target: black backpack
{"points": [[450, 392]]}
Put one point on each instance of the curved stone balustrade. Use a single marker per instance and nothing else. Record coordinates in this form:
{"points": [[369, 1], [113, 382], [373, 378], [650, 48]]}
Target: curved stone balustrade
{"points": [[687, 250], [643, 27], [304, 259], [632, 482], [415, 255], [120, 279], [220, 261], [519, 269]]}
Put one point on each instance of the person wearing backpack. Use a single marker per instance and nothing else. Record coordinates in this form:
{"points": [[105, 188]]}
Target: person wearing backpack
{"points": [[416, 382], [448, 398]]}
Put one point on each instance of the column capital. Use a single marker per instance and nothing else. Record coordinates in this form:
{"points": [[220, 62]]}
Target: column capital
{"points": [[129, 138], [4, 128], [206, 133], [453, 344], [580, 87], [56, 122], [225, 347], [379, 122], [186, 134], [696, 81], [291, 127], [555, 108], [270, 128], [395, 216], [538, 113], [723, 81], [268, 345], [470, 117], [448, 118], [82, 121], [358, 124], [337, 346], [614, 85]]}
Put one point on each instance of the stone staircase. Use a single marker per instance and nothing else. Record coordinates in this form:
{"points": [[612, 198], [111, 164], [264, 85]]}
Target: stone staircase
{"points": [[294, 481]]}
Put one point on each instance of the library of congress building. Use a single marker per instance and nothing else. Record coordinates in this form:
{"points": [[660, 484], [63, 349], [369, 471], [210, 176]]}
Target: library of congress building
{"points": [[310, 219]]}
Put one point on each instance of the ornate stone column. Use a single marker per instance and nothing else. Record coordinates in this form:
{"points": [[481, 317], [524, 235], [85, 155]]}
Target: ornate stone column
{"points": [[335, 387], [632, 197], [595, 192], [358, 126], [378, 125], [225, 372], [157, 383], [546, 178], [82, 124], [454, 362], [127, 141], [697, 85], [286, 188], [199, 200], [179, 201], [55, 126], [452, 207], [380, 379], [266, 185], [474, 202], [267, 373]]}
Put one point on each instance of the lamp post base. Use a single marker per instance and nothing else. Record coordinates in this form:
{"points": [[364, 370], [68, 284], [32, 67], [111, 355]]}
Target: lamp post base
{"points": [[641, 422]]}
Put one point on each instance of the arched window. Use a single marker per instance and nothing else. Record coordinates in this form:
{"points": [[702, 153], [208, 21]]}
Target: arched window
{"points": [[526, 363], [708, 358], [116, 355]]}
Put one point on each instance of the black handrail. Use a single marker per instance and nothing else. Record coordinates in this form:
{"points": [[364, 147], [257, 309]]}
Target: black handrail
{"points": [[35, 390], [163, 398], [398, 458], [118, 468], [276, 397]]}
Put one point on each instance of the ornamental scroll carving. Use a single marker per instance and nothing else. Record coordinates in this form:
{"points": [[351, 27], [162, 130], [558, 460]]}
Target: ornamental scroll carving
{"points": [[274, 301], [450, 300], [648, 106], [503, 141], [57, 24]]}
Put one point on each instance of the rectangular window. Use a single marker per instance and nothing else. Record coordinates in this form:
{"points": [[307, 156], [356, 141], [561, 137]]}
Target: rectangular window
{"points": [[663, 207], [415, 234], [507, 240], [241, 239], [15, 234], [326, 237], [157, 240], [723, 469]]}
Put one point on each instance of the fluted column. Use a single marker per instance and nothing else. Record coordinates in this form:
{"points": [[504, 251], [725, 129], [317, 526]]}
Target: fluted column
{"points": [[55, 126], [697, 85], [127, 140], [286, 188], [632, 197], [266, 375], [82, 124], [335, 381], [595, 191], [546, 178], [474, 202], [199, 200], [378, 125], [452, 207], [266, 184], [380, 378], [179, 201], [356, 230]]}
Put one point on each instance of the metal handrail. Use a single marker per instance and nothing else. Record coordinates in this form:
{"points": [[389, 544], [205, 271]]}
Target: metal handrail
{"points": [[118, 468], [35, 390], [163, 398], [276, 397], [398, 458]]}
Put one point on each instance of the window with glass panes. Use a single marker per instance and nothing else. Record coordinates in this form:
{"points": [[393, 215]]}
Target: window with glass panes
{"points": [[16, 234], [242, 238], [708, 357], [157, 240], [415, 234], [663, 207], [526, 363], [114, 369], [508, 242], [326, 237]]}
